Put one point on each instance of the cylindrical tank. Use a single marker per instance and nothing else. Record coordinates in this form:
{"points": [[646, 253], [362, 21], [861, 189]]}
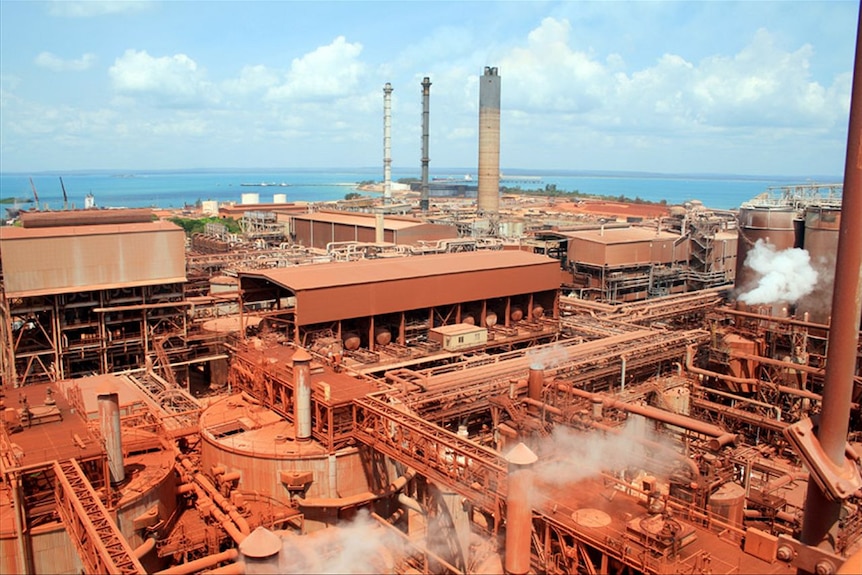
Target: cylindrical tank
{"points": [[250, 198], [302, 394], [468, 319], [490, 319], [518, 512], [821, 243], [279, 198], [727, 503], [382, 335], [516, 313], [209, 207], [351, 341], [772, 224], [538, 311]]}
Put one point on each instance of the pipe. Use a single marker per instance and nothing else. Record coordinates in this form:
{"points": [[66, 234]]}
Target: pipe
{"points": [[109, 425], [720, 437], [535, 382], [236, 568], [302, 394], [744, 380], [144, 548], [821, 513], [519, 514], [200, 564], [204, 486]]}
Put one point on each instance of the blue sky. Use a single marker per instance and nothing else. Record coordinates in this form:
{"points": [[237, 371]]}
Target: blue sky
{"points": [[674, 87]]}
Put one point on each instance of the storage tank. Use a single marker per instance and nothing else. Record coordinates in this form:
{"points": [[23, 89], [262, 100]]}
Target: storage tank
{"points": [[727, 503], [351, 341], [250, 198], [382, 335], [279, 198], [209, 207], [821, 242], [775, 225]]}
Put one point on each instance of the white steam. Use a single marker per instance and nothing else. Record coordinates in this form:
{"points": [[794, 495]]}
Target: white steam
{"points": [[358, 546], [568, 456], [784, 276], [547, 357]]}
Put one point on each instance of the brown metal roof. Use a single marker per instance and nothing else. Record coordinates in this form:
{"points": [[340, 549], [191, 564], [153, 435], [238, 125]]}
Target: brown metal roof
{"points": [[42, 261], [362, 220], [381, 270], [329, 292], [621, 235]]}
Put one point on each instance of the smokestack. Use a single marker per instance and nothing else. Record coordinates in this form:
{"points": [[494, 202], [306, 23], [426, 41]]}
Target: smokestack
{"points": [[426, 96], [109, 424], [379, 229], [387, 143], [519, 521], [535, 382], [488, 199], [821, 512], [302, 394]]}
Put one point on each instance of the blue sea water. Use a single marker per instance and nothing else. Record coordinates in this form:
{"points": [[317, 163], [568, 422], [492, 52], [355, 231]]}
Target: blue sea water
{"points": [[175, 189]]}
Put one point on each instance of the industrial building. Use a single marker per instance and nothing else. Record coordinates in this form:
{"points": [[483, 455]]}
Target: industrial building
{"points": [[447, 405]]}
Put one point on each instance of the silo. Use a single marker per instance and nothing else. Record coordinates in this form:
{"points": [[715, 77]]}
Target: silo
{"points": [[775, 225], [488, 196], [821, 242]]}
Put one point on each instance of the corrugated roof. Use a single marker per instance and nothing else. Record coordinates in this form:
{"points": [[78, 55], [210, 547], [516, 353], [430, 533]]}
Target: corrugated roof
{"points": [[622, 235], [300, 278], [362, 220], [16, 233], [41, 261]]}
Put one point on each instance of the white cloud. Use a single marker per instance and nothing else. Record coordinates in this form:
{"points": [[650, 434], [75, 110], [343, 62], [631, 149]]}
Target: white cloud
{"points": [[762, 86], [171, 81], [57, 64], [92, 8], [328, 72]]}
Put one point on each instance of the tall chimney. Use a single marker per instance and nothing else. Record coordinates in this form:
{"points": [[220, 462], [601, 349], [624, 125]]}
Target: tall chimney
{"points": [[535, 382], [519, 520], [302, 394], [488, 198], [387, 143], [109, 424], [426, 96]]}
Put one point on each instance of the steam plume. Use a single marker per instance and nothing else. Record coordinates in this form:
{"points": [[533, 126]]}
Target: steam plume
{"points": [[784, 276]]}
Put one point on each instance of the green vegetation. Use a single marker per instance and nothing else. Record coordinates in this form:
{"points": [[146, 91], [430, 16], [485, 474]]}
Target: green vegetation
{"points": [[197, 225], [352, 196], [16, 200], [550, 190]]}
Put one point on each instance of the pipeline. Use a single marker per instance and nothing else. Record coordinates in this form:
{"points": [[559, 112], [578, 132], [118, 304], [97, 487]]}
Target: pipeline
{"points": [[689, 360], [144, 548], [203, 486], [720, 437], [695, 470], [360, 498], [200, 564], [237, 568]]}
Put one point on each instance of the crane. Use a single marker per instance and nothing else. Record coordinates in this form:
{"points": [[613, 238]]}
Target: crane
{"points": [[65, 199], [35, 194]]}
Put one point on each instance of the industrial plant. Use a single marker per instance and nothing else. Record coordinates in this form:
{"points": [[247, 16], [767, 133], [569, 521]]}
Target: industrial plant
{"points": [[421, 383]]}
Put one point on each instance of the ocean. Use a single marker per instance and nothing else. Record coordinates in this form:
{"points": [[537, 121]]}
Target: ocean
{"points": [[175, 189]]}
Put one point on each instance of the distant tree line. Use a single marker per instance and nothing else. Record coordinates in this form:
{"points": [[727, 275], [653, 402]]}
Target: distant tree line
{"points": [[550, 190], [197, 225]]}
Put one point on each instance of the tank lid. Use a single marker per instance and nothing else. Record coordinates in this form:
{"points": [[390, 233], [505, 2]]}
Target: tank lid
{"points": [[521, 455], [301, 355], [260, 543]]}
